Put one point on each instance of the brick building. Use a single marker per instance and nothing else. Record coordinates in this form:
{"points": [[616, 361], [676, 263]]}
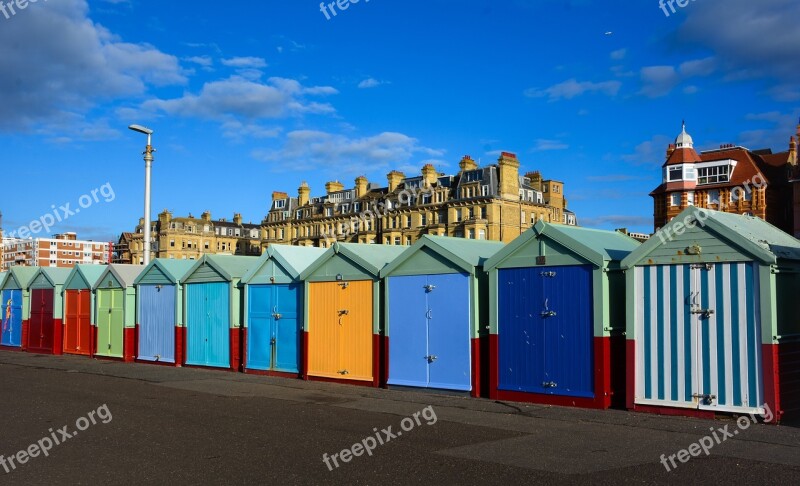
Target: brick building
{"points": [[63, 251]]}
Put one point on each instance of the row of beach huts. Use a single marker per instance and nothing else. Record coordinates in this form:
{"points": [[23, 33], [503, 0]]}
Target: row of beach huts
{"points": [[703, 318]]}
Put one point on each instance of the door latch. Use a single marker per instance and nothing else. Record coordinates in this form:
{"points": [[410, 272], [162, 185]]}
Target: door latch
{"points": [[344, 312], [547, 312], [429, 288], [549, 274], [277, 316], [549, 384], [431, 358], [343, 372], [705, 399], [272, 342]]}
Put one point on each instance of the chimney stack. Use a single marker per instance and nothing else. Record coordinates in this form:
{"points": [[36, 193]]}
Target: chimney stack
{"points": [[304, 194], [670, 150], [792, 151], [361, 186], [467, 164], [237, 219], [395, 178], [333, 186], [429, 174]]}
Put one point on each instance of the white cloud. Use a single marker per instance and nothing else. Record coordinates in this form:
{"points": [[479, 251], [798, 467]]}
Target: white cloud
{"points": [[370, 83], [650, 152], [70, 73], [572, 88], [619, 54], [239, 97], [542, 145], [340, 154], [658, 81], [204, 61], [245, 62]]}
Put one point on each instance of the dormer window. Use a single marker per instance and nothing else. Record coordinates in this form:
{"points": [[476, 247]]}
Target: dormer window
{"points": [[713, 175]]}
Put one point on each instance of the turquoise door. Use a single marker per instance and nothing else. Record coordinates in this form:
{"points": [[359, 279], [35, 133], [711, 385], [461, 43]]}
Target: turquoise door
{"points": [[208, 325], [273, 340]]}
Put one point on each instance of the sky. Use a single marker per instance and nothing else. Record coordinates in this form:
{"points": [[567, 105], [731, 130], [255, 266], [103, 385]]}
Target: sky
{"points": [[251, 97]]}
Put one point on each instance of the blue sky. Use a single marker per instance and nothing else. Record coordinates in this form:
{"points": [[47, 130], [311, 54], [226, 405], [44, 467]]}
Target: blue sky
{"points": [[251, 97]]}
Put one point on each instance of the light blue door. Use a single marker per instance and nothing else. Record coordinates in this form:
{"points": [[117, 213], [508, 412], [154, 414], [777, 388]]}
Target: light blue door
{"points": [[408, 331], [273, 339], [157, 323], [208, 325], [12, 318], [429, 332], [449, 332]]}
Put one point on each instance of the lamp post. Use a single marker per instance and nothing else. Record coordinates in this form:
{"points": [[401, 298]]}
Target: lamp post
{"points": [[148, 163]]}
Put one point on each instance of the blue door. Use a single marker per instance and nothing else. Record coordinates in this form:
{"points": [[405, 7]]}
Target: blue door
{"points": [[545, 331], [11, 314], [273, 339], [449, 332], [429, 332], [408, 331], [208, 325], [157, 323]]}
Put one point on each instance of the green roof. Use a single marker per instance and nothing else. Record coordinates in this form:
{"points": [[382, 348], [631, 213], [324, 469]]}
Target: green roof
{"points": [[295, 259], [23, 276], [465, 253], [55, 275], [371, 257], [596, 246], [229, 266], [124, 273], [761, 240], [90, 273], [172, 268]]}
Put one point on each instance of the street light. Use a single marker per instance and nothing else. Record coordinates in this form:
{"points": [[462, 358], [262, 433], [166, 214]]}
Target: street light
{"points": [[148, 162]]}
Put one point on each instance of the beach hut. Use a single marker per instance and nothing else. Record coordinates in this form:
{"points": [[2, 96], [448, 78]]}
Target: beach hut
{"points": [[15, 306], [46, 327], [712, 317], [343, 318], [159, 311], [115, 312], [273, 310], [558, 317], [436, 297], [79, 325], [213, 310]]}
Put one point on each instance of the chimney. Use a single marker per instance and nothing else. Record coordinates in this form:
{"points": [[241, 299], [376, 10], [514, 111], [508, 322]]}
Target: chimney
{"points": [[394, 178], [429, 174], [361, 186], [467, 164], [333, 186], [304, 194], [792, 152], [206, 216], [164, 218], [509, 176], [237, 219], [536, 179], [279, 195], [670, 150]]}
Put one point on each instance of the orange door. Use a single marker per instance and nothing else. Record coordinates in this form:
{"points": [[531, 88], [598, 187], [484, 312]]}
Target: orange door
{"points": [[340, 330], [77, 322], [356, 330]]}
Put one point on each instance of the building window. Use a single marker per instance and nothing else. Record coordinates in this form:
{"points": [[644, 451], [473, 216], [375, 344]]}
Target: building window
{"points": [[484, 191], [458, 215], [712, 175], [357, 207], [426, 199], [713, 196], [329, 212], [408, 241], [741, 194], [675, 199], [280, 204], [675, 174], [397, 240], [482, 234], [172, 243], [424, 219], [471, 234], [690, 198]]}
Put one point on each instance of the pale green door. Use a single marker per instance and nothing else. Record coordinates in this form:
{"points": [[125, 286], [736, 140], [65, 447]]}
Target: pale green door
{"points": [[110, 322]]}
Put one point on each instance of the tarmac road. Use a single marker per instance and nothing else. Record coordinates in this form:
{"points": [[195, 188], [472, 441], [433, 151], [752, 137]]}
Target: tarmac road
{"points": [[159, 425]]}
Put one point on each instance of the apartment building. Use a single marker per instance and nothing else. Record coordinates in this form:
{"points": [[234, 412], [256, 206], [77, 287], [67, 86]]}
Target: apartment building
{"points": [[63, 250], [733, 179], [189, 238], [493, 202]]}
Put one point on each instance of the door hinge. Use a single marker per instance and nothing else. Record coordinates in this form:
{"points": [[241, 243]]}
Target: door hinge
{"points": [[549, 384]]}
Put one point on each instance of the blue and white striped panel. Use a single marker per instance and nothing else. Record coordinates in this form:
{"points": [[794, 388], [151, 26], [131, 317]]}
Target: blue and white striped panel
{"points": [[680, 354]]}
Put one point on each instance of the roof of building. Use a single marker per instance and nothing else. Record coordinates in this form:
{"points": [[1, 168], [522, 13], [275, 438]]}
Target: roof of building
{"points": [[125, 274], [173, 269], [22, 275], [596, 246], [372, 258], [54, 275], [760, 239], [295, 259], [466, 254], [229, 266], [90, 273]]}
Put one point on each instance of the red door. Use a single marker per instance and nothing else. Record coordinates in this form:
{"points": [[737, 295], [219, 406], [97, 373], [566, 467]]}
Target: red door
{"points": [[40, 336], [77, 322]]}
